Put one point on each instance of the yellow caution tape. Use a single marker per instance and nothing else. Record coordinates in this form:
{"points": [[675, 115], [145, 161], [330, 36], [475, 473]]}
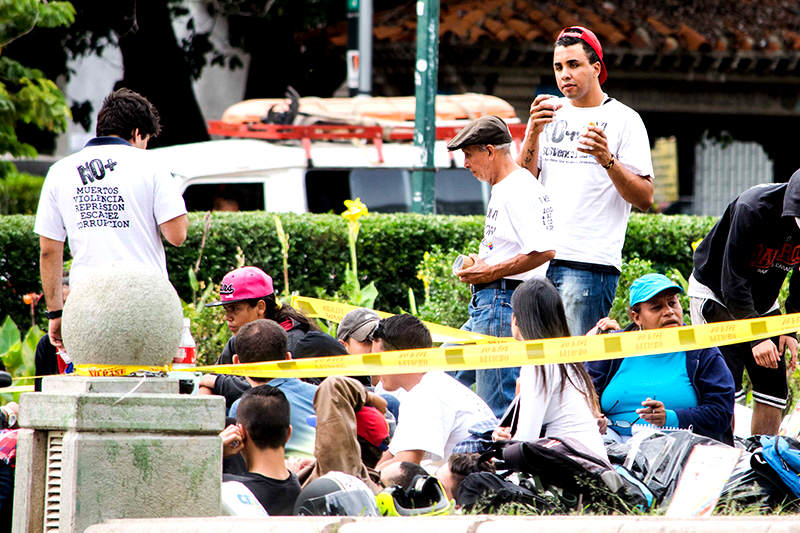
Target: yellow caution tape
{"points": [[119, 370], [16, 388], [335, 311], [504, 354]]}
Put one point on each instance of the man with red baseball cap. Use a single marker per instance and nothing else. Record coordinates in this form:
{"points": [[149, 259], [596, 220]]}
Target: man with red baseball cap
{"points": [[592, 154]]}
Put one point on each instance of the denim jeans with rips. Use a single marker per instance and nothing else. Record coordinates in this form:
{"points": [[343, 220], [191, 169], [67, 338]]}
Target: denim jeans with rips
{"points": [[587, 295], [490, 314]]}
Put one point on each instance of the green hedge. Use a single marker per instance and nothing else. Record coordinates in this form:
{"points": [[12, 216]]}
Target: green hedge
{"points": [[19, 193], [19, 266], [390, 247], [665, 240]]}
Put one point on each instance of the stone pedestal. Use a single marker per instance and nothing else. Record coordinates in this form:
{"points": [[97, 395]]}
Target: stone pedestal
{"points": [[93, 449]]}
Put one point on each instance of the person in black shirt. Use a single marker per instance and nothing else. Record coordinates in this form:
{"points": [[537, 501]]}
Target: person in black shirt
{"points": [[47, 362], [260, 434], [739, 268]]}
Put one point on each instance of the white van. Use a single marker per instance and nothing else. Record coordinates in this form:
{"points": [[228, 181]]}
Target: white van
{"points": [[250, 174]]}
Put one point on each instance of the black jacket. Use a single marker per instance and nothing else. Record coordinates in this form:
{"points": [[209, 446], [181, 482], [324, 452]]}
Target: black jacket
{"points": [[747, 254]]}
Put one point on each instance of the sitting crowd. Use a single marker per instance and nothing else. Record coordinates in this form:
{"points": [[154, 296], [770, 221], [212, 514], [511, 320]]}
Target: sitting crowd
{"points": [[337, 424], [285, 433]]}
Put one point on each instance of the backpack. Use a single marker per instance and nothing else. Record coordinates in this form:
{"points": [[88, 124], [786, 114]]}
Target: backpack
{"points": [[657, 459], [577, 474], [486, 492], [782, 455]]}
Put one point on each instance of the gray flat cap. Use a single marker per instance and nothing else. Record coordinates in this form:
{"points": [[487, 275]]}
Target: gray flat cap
{"points": [[358, 324], [485, 130]]}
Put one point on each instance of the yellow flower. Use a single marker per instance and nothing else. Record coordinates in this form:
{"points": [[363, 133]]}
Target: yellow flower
{"points": [[695, 244], [355, 209]]}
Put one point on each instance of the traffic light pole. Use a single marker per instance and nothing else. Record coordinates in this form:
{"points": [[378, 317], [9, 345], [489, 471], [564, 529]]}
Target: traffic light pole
{"points": [[425, 83]]}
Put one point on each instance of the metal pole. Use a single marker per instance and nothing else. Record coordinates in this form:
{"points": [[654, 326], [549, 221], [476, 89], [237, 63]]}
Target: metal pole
{"points": [[425, 78], [365, 47], [352, 47]]}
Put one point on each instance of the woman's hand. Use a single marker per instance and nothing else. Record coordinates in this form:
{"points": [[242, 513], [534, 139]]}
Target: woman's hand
{"points": [[602, 423], [232, 440], [653, 412], [604, 324], [501, 433]]}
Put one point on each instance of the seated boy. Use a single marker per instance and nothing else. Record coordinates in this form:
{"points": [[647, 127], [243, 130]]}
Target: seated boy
{"points": [[260, 434]]}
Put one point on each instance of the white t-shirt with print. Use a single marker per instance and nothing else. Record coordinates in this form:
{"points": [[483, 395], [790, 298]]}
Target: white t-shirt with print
{"points": [[590, 214], [564, 414], [109, 199], [435, 415], [519, 220]]}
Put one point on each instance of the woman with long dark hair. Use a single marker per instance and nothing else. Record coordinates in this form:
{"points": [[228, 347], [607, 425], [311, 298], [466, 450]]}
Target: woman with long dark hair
{"points": [[556, 398]]}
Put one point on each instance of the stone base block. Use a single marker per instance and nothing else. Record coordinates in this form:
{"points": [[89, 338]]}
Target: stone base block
{"points": [[457, 524], [112, 475], [154, 413]]}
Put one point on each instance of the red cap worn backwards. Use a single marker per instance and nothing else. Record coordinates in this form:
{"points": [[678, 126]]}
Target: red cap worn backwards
{"points": [[372, 427], [589, 38], [243, 284]]}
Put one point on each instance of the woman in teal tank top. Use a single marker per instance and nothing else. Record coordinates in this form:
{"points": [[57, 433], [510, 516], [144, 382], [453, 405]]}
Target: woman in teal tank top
{"points": [[687, 390]]}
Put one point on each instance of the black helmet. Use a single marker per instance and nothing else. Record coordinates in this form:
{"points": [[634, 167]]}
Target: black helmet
{"points": [[424, 497], [336, 494]]}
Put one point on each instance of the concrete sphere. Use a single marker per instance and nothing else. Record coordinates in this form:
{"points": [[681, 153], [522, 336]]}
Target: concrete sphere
{"points": [[122, 317]]}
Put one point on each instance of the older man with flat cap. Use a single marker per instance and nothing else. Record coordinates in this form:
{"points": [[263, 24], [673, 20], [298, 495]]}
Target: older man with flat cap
{"points": [[517, 243]]}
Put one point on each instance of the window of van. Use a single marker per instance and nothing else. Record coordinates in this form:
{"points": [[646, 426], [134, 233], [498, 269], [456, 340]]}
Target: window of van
{"points": [[224, 196], [388, 190], [327, 189], [459, 193]]}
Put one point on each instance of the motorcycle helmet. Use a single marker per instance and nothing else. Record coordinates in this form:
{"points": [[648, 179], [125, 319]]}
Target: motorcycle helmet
{"points": [[424, 497], [336, 494]]}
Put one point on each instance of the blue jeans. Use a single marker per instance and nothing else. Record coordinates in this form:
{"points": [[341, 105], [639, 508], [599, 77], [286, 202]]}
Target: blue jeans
{"points": [[587, 295], [490, 314]]}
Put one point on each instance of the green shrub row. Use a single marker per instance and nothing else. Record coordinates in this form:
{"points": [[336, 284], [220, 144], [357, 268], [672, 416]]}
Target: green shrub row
{"points": [[390, 249], [19, 193]]}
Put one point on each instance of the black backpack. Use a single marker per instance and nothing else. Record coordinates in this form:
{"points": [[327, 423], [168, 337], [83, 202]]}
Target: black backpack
{"points": [[564, 467], [487, 492]]}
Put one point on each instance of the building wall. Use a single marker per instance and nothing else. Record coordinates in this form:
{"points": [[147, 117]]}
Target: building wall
{"points": [[722, 172]]}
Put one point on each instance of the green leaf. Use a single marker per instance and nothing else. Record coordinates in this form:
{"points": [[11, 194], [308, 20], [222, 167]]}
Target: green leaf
{"points": [[52, 14], [192, 280], [412, 301], [368, 295], [12, 358], [9, 335], [28, 367]]}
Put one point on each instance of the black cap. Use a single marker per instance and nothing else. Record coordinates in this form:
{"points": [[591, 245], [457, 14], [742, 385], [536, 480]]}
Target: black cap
{"points": [[485, 130]]}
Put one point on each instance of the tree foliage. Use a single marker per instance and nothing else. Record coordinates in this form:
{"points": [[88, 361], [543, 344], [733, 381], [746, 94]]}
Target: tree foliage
{"points": [[26, 95]]}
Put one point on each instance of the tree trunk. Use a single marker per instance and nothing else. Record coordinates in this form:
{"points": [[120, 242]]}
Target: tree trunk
{"points": [[154, 67]]}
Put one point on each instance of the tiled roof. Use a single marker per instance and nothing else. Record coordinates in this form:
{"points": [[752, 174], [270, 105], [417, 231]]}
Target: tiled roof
{"points": [[763, 27]]}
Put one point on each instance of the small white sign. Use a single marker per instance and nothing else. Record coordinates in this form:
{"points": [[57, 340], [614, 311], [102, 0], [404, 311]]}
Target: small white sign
{"points": [[352, 69], [702, 480]]}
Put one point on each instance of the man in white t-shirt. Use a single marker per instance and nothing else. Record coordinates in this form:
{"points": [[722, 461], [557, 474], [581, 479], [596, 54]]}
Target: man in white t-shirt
{"points": [[437, 411], [592, 154], [110, 200], [517, 244]]}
